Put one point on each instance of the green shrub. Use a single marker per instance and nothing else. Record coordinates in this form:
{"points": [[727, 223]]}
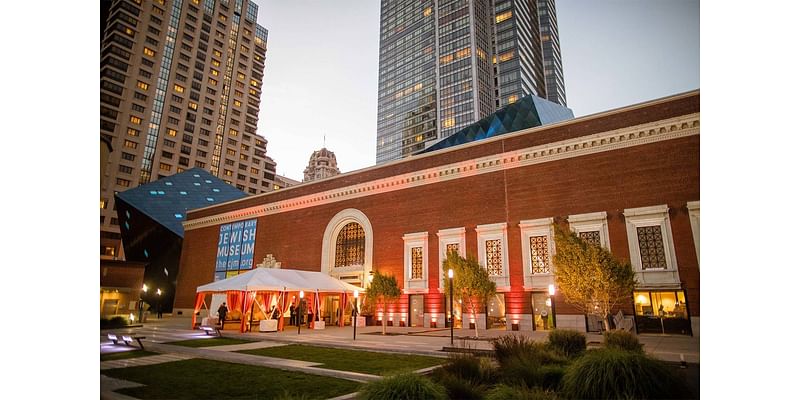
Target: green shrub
{"points": [[401, 387], [508, 347], [463, 366], [619, 374], [531, 372], [458, 388], [115, 322], [567, 342], [622, 340], [550, 376], [505, 392]]}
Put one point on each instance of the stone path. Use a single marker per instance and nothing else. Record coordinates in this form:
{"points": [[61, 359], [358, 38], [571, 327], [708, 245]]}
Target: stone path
{"points": [[140, 361]]}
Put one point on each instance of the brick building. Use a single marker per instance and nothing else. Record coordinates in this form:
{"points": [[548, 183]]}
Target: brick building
{"points": [[627, 179]]}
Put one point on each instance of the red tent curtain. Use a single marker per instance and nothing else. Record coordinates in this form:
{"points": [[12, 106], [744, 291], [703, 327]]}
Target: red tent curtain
{"points": [[249, 297], [198, 302], [284, 309], [234, 300], [342, 299]]}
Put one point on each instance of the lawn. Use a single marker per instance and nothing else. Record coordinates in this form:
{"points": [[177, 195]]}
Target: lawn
{"points": [[367, 362], [125, 355], [209, 342], [206, 379]]}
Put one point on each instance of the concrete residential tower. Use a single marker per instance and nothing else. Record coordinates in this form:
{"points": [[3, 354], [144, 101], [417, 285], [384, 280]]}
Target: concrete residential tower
{"points": [[180, 87], [445, 64]]}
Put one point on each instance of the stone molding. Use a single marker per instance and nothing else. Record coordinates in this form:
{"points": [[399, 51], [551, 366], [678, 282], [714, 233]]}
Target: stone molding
{"points": [[667, 129]]}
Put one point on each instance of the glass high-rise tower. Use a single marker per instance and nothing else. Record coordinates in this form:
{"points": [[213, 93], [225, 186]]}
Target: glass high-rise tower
{"points": [[180, 87], [445, 64]]}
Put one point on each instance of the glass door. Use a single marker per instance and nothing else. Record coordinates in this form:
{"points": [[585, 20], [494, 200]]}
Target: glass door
{"points": [[416, 310], [542, 311]]}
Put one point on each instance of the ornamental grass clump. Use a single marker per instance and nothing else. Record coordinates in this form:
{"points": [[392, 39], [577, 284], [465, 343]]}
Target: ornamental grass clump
{"points": [[505, 392], [402, 387], [619, 374], [530, 372], [511, 346], [622, 340], [466, 376], [567, 342]]}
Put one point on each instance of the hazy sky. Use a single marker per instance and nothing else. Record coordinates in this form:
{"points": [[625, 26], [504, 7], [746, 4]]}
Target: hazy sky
{"points": [[321, 75]]}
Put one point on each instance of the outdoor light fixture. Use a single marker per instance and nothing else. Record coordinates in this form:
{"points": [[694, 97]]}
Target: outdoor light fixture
{"points": [[158, 292], [355, 313], [452, 314], [551, 288], [300, 311]]}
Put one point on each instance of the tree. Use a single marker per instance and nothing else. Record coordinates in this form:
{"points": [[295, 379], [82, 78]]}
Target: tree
{"points": [[471, 282], [383, 290], [589, 276]]}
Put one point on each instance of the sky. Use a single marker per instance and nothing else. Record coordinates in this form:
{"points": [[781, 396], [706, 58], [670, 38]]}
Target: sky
{"points": [[321, 76]]}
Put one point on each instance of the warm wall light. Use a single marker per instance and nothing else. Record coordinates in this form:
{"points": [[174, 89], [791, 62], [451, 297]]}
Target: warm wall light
{"points": [[551, 289]]}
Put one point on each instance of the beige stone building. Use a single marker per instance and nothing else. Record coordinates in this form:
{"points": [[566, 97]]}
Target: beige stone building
{"points": [[180, 87], [321, 165]]}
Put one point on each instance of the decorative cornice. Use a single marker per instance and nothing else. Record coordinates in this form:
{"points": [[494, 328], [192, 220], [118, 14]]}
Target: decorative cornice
{"points": [[658, 131]]}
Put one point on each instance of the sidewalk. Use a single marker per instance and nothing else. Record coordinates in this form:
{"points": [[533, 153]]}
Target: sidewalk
{"points": [[424, 341]]}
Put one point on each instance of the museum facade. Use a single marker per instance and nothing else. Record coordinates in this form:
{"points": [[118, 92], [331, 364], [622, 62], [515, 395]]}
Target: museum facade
{"points": [[626, 179]]}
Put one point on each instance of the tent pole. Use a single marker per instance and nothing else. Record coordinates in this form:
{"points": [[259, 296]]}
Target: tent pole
{"points": [[252, 305]]}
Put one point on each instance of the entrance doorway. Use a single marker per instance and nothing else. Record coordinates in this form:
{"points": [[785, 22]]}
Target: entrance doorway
{"points": [[496, 312], [331, 312], [542, 311], [110, 307], [416, 310]]}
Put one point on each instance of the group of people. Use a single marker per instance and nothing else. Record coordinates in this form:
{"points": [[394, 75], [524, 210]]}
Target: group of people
{"points": [[222, 311]]}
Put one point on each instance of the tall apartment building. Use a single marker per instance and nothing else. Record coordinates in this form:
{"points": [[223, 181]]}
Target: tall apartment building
{"points": [[445, 64], [180, 87]]}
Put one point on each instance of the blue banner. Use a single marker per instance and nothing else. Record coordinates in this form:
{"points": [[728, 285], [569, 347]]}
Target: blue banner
{"points": [[222, 247], [248, 244], [235, 248]]}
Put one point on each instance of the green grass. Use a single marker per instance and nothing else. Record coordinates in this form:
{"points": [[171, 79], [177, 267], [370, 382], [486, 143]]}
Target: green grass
{"points": [[206, 379], [367, 362], [125, 355], [209, 342]]}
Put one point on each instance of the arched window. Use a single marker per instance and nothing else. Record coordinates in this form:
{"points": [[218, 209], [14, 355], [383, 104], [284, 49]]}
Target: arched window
{"points": [[350, 244]]}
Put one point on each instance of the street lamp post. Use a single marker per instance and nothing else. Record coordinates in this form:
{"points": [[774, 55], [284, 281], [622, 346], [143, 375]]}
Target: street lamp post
{"points": [[552, 290], [158, 305], [141, 301], [300, 311], [355, 313], [452, 314]]}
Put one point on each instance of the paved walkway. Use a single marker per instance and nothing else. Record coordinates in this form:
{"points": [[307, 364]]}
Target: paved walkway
{"points": [[423, 341]]}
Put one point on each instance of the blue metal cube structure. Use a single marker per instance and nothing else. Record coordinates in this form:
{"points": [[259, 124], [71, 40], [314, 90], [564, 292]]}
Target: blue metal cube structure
{"points": [[528, 112], [150, 220]]}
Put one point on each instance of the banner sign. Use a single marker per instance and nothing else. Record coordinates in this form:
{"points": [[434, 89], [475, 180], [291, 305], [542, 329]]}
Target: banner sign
{"points": [[236, 246]]}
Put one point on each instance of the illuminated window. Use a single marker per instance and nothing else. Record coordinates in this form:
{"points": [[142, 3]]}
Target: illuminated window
{"points": [[241, 76], [171, 132], [506, 56], [228, 172], [253, 82], [427, 11], [512, 99], [217, 53], [494, 257], [350, 245], [136, 120], [164, 167], [212, 81], [222, 17], [123, 183], [416, 263], [214, 72], [237, 103], [465, 52], [149, 52], [142, 85], [448, 123], [179, 88], [233, 132], [103, 203], [253, 92], [133, 132], [215, 62], [192, 105], [275, 187], [131, 145], [502, 17]]}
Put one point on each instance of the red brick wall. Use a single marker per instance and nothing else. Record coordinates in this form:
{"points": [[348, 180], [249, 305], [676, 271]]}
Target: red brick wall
{"points": [[666, 172]]}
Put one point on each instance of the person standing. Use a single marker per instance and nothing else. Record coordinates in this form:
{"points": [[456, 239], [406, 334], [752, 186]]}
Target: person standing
{"points": [[292, 315], [223, 311]]}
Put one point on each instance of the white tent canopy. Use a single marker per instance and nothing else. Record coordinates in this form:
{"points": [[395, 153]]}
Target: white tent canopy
{"points": [[278, 280]]}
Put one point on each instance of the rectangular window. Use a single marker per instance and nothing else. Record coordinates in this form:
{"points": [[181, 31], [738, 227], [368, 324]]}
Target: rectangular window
{"points": [[179, 88], [540, 258], [651, 247], [123, 183], [494, 257], [142, 85], [164, 167], [149, 52], [131, 145], [171, 132], [125, 169], [416, 263], [133, 132], [128, 156]]}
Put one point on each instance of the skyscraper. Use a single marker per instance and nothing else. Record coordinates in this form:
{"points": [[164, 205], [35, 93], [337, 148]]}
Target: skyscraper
{"points": [[180, 87], [445, 64]]}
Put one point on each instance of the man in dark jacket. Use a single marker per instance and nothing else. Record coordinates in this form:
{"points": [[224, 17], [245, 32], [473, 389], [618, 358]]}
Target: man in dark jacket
{"points": [[223, 311]]}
